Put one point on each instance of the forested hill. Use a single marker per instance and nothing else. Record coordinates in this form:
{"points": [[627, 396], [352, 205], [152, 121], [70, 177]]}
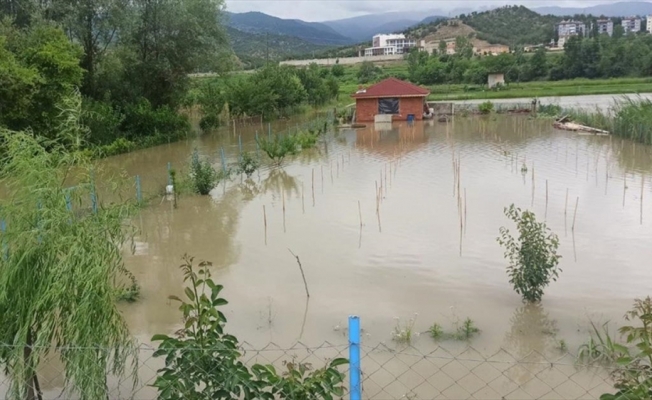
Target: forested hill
{"points": [[512, 25], [312, 32], [254, 49]]}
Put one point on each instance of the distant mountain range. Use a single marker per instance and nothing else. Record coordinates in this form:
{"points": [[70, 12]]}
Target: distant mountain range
{"points": [[622, 9], [364, 27], [256, 36], [312, 32]]}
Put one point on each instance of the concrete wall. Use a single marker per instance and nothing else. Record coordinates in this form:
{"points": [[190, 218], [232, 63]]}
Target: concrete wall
{"points": [[366, 109], [343, 60], [442, 108]]}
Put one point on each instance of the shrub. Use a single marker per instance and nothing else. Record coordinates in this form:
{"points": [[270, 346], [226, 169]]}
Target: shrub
{"points": [[203, 175], [337, 70], [633, 376], [204, 362], [142, 120], [486, 108], [248, 164], [102, 120], [532, 256], [279, 146]]}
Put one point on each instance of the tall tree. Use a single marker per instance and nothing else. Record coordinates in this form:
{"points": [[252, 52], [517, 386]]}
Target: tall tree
{"points": [[95, 25], [172, 38]]}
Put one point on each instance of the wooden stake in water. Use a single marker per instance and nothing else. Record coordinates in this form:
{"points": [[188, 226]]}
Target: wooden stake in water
{"points": [[642, 189], [533, 185], [265, 222], [360, 213], [624, 186], [283, 195], [546, 214], [331, 172], [575, 214], [313, 187], [465, 220], [566, 211], [377, 199], [305, 284]]}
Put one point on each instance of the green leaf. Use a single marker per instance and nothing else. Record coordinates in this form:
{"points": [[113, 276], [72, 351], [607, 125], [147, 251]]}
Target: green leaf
{"points": [[338, 361], [159, 337], [190, 294]]}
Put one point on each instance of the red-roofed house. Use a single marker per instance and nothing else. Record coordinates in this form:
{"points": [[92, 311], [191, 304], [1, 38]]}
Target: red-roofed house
{"points": [[391, 96]]}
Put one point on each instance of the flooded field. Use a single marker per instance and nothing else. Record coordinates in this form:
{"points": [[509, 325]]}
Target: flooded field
{"points": [[403, 256]]}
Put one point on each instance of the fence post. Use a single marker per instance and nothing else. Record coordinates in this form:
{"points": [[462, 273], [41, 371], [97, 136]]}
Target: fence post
{"points": [[240, 144], [223, 159], [5, 247], [139, 191], [354, 358], [68, 201], [169, 175]]}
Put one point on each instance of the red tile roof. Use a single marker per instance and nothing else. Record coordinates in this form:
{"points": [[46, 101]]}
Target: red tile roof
{"points": [[391, 87]]}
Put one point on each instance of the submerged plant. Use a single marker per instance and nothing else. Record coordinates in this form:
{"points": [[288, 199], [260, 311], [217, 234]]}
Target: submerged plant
{"points": [[436, 331], [532, 257], [279, 146], [248, 164], [486, 108], [404, 333], [467, 330], [203, 175]]}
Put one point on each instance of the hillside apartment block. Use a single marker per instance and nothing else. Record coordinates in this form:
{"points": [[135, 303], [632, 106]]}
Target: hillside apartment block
{"points": [[387, 45]]}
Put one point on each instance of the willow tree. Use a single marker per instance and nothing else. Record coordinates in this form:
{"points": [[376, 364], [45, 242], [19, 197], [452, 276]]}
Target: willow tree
{"points": [[60, 261]]}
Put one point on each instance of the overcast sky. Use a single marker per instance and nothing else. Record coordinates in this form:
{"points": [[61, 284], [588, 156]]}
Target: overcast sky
{"points": [[323, 10]]}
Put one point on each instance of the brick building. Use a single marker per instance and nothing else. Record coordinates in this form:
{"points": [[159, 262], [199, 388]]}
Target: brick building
{"points": [[390, 96]]}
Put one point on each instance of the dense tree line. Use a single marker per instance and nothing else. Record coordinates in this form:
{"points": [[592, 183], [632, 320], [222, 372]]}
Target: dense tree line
{"points": [[129, 60], [271, 92], [597, 57]]}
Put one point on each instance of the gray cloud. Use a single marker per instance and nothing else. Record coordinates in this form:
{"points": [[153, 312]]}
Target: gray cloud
{"points": [[323, 10]]}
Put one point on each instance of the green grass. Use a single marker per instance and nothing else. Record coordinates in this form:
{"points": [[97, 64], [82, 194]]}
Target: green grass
{"points": [[628, 118], [349, 84]]}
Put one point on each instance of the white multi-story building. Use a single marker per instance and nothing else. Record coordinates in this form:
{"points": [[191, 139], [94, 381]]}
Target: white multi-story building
{"points": [[570, 28], [649, 23], [631, 24], [384, 45], [606, 26]]}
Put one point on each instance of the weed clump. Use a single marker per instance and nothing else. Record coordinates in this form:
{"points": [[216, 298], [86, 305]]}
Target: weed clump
{"points": [[486, 108], [404, 333]]}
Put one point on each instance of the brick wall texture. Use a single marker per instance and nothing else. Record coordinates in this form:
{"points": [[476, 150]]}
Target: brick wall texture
{"points": [[366, 109]]}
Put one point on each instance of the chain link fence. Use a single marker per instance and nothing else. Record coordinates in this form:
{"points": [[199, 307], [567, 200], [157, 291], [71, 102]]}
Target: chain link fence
{"points": [[388, 371]]}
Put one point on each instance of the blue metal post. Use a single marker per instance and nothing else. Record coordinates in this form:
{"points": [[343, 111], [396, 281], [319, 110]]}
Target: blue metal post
{"points": [[93, 195], [223, 159], [3, 229], [169, 175], [139, 191], [354, 358], [68, 200], [257, 145]]}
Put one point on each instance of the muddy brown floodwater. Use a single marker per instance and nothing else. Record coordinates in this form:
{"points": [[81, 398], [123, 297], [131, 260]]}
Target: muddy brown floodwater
{"points": [[410, 262]]}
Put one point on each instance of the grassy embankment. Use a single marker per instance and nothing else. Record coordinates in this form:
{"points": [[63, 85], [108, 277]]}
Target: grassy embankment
{"points": [[348, 85]]}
